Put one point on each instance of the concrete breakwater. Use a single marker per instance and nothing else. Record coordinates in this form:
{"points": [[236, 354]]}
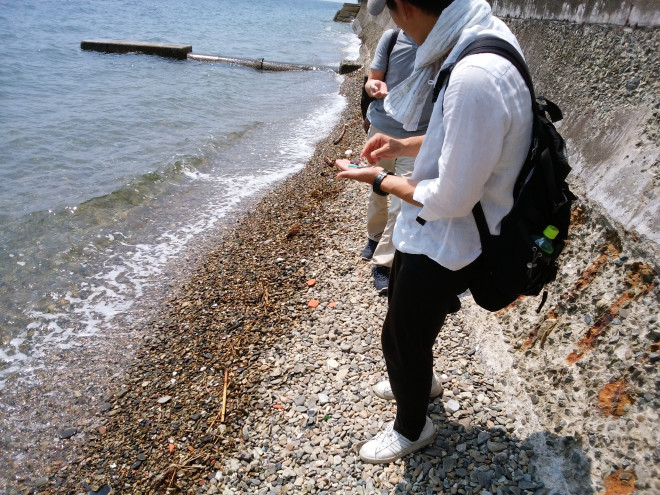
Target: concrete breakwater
{"points": [[183, 52], [582, 376]]}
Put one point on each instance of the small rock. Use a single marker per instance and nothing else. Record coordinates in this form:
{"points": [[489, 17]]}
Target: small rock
{"points": [[67, 433], [41, 482], [448, 464], [526, 485], [104, 490], [482, 437], [165, 399], [453, 406], [496, 446]]}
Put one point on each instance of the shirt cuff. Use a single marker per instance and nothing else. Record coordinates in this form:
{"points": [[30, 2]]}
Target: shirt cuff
{"points": [[423, 193]]}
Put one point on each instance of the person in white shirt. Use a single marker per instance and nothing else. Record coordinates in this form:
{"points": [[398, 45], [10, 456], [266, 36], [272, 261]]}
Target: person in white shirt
{"points": [[476, 142]]}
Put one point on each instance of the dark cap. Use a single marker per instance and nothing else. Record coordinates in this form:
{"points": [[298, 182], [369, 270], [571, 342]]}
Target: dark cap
{"points": [[375, 7]]}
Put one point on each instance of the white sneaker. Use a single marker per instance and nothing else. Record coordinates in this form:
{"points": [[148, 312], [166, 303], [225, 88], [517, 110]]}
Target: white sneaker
{"points": [[384, 390], [390, 445]]}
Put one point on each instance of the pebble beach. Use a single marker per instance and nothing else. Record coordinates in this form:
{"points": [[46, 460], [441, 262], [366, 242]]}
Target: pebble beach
{"points": [[255, 376]]}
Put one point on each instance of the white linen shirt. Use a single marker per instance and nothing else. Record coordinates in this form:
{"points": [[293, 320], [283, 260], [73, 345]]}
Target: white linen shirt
{"points": [[472, 152]]}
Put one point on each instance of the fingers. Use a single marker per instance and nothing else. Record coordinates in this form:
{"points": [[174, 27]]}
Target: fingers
{"points": [[363, 174], [375, 148], [379, 89]]}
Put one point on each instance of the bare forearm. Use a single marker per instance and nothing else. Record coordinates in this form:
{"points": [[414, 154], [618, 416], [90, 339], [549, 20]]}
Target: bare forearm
{"points": [[400, 187], [411, 145]]}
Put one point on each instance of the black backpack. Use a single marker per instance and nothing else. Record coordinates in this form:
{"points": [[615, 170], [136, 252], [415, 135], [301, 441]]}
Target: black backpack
{"points": [[513, 265], [366, 100]]}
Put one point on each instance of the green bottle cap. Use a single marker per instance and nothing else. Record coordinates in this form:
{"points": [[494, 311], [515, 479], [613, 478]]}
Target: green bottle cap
{"points": [[551, 232]]}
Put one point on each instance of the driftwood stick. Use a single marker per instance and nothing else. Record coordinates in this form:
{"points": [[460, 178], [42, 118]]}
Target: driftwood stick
{"points": [[341, 136], [221, 415], [224, 398], [329, 162]]}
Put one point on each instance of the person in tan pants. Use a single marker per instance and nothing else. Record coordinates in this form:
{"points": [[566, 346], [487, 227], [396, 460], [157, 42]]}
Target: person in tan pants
{"points": [[387, 70]]}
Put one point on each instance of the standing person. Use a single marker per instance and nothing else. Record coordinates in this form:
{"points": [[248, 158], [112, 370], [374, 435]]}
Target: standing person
{"points": [[387, 70], [475, 145]]}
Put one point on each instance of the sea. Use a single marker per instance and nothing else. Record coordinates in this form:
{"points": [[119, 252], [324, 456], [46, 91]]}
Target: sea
{"points": [[115, 167]]}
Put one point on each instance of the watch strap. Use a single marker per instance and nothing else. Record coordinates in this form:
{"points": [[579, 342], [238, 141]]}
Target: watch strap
{"points": [[378, 180]]}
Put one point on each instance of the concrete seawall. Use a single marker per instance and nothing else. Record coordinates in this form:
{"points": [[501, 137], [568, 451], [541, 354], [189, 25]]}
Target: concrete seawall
{"points": [[598, 342], [643, 13]]}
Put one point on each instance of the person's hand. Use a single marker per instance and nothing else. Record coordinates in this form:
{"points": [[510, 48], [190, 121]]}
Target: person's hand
{"points": [[381, 146], [350, 171], [377, 88]]}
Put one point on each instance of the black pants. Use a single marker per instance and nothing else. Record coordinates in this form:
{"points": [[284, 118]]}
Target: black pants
{"points": [[421, 294]]}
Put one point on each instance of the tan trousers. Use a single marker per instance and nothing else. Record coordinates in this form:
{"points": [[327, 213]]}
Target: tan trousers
{"points": [[381, 217]]}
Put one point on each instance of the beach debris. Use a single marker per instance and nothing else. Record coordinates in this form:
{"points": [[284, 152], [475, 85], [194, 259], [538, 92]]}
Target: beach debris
{"points": [[348, 153], [294, 230], [311, 282], [313, 303], [165, 399], [359, 163], [224, 397], [328, 161], [341, 136]]}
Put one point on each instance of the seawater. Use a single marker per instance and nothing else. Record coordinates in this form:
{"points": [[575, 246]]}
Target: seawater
{"points": [[110, 165]]}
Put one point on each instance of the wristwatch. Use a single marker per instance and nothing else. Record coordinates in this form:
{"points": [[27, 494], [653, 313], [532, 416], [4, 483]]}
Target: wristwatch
{"points": [[379, 178]]}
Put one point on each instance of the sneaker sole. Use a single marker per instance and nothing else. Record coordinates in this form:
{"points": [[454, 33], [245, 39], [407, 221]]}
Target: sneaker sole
{"points": [[413, 448], [391, 397]]}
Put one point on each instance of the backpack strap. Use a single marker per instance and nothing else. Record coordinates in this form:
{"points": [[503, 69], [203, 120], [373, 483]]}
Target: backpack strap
{"points": [[498, 46], [393, 37], [488, 44], [504, 49]]}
